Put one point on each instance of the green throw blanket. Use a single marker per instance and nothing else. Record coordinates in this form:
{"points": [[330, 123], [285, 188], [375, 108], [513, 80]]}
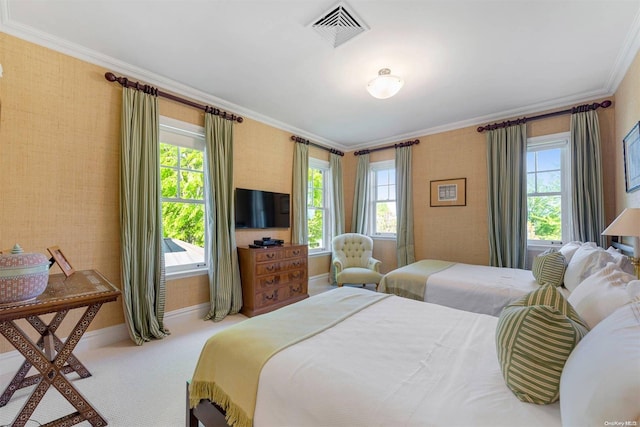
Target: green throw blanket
{"points": [[410, 281], [229, 367]]}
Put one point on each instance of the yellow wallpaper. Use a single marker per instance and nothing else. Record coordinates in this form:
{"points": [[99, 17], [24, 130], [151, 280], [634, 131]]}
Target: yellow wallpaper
{"points": [[627, 114], [59, 165], [460, 233]]}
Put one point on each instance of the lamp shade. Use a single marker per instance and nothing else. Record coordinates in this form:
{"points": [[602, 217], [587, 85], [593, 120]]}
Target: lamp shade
{"points": [[626, 224], [385, 85]]}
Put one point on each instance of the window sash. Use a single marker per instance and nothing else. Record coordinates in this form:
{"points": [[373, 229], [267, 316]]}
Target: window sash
{"points": [[320, 166], [389, 167], [551, 142], [185, 136]]}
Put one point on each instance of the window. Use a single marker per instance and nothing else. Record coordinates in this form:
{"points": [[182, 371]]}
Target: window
{"points": [[548, 198], [318, 205], [182, 168], [383, 207]]}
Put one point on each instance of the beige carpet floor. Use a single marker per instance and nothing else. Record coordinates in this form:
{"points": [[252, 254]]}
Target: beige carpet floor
{"points": [[133, 386]]}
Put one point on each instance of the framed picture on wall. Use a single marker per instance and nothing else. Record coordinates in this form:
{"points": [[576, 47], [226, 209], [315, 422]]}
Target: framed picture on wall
{"points": [[449, 192], [631, 147]]}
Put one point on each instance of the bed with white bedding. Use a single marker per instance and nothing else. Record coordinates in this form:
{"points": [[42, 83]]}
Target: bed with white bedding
{"points": [[476, 288], [411, 365], [393, 362], [351, 357]]}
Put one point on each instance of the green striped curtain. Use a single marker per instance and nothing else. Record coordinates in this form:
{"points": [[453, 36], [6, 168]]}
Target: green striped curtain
{"points": [[359, 217], [586, 178], [404, 202], [299, 226], [507, 196], [225, 289], [143, 275], [337, 203]]}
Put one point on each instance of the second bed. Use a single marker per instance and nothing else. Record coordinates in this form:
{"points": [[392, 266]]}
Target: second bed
{"points": [[475, 288]]}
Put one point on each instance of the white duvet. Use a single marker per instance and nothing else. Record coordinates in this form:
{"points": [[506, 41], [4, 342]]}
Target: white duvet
{"points": [[479, 288], [397, 363]]}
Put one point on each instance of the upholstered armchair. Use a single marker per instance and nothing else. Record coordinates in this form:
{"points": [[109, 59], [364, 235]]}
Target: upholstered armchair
{"points": [[353, 260]]}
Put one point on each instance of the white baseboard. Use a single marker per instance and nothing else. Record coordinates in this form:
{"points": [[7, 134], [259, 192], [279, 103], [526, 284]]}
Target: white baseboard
{"points": [[320, 279], [12, 360]]}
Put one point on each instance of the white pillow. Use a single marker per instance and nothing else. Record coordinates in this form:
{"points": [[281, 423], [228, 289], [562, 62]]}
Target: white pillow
{"points": [[585, 261], [621, 260], [601, 294], [568, 249], [600, 381]]}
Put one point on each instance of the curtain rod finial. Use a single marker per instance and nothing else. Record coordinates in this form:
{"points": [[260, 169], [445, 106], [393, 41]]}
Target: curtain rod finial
{"points": [[110, 76]]}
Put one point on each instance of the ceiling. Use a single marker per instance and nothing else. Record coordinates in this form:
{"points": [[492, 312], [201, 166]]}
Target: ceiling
{"points": [[464, 62]]}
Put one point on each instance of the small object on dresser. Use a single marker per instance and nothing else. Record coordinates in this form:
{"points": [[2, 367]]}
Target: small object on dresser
{"points": [[23, 276], [62, 261]]}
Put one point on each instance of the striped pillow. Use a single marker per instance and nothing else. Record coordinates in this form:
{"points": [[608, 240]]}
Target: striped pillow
{"points": [[549, 267], [534, 338]]}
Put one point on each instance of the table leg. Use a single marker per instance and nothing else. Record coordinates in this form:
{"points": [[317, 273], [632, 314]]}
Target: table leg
{"points": [[50, 372], [50, 330], [20, 380]]}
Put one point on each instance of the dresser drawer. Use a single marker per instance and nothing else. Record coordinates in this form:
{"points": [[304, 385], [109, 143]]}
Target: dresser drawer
{"points": [[298, 288], [268, 255], [293, 276], [293, 264], [295, 252], [271, 296], [267, 268], [266, 282]]}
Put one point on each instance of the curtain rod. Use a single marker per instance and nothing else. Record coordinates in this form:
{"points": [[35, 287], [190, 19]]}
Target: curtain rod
{"points": [[156, 92], [573, 110], [306, 141], [400, 145]]}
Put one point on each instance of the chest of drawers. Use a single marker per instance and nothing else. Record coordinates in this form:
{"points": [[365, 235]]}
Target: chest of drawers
{"points": [[272, 277]]}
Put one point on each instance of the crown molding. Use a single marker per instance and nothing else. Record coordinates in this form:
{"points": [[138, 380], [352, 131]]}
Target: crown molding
{"points": [[132, 72], [626, 56]]}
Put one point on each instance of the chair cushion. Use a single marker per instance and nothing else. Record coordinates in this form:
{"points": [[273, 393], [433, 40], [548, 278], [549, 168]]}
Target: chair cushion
{"points": [[534, 338], [358, 275], [352, 249]]}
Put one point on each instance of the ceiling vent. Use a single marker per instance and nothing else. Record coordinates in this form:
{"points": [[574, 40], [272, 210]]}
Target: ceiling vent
{"points": [[339, 24]]}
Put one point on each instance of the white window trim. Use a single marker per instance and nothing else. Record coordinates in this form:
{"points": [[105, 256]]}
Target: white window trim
{"points": [[324, 165], [192, 136], [544, 142], [373, 168]]}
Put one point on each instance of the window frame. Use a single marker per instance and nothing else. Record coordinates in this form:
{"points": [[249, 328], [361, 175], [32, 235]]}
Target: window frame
{"points": [[374, 168], [322, 165], [560, 140], [186, 135]]}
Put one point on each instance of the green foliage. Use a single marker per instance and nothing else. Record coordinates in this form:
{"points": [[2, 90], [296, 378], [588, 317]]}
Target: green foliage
{"points": [[386, 220], [182, 179], [544, 218], [315, 212]]}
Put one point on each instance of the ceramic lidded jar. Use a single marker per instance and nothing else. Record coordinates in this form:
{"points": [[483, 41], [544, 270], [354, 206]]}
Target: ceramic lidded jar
{"points": [[22, 276]]}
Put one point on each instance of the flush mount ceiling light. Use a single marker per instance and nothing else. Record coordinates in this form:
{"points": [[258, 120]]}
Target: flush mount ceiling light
{"points": [[385, 85]]}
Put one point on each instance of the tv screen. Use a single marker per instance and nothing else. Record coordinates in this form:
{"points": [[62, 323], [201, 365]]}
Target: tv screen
{"points": [[261, 209]]}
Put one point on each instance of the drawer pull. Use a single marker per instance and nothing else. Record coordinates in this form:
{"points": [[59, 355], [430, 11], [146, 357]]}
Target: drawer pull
{"points": [[295, 275], [296, 290], [296, 252], [271, 267], [269, 282], [271, 255], [272, 297], [297, 263]]}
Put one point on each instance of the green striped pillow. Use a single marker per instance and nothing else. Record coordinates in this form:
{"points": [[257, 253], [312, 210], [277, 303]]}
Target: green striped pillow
{"points": [[549, 267], [534, 338]]}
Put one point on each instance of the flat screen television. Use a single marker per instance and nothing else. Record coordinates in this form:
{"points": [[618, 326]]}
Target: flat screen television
{"points": [[261, 209]]}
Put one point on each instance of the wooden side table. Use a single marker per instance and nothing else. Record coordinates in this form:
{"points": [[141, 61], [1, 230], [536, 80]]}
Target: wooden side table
{"points": [[50, 356]]}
